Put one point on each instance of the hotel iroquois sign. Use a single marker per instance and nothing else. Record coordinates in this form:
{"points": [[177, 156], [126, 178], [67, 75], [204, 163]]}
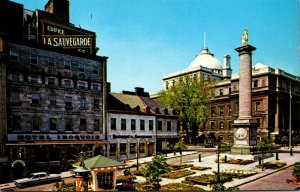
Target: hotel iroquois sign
{"points": [[66, 37]]}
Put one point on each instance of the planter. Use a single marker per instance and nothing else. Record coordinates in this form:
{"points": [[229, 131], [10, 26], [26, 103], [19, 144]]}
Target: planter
{"points": [[295, 181]]}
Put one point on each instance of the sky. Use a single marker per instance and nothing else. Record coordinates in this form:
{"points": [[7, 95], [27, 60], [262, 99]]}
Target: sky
{"points": [[146, 39]]}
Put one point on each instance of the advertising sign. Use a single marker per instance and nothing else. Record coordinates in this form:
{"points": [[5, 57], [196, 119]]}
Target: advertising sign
{"points": [[68, 38]]}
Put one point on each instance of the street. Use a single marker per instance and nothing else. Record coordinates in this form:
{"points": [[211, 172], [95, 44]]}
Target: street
{"points": [[273, 182]]}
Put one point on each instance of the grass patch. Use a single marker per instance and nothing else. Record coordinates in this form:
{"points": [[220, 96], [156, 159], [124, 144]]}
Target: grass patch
{"points": [[177, 174]]}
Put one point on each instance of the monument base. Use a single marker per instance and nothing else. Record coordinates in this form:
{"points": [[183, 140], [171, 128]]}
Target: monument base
{"points": [[245, 136]]}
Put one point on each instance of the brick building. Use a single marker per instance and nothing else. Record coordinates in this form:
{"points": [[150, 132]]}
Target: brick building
{"points": [[52, 93]]}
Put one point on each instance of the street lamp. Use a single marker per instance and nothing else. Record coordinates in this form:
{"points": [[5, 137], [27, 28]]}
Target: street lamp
{"points": [[218, 153], [137, 156], [81, 177], [290, 118]]}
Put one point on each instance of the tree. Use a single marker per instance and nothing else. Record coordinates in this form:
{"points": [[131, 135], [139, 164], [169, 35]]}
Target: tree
{"points": [[191, 101], [154, 169], [180, 145], [264, 145]]}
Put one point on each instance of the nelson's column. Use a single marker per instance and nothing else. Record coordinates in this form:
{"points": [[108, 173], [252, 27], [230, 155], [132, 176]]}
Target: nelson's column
{"points": [[245, 127]]}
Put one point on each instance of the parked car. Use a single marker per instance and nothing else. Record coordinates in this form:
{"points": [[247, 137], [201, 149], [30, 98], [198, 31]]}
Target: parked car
{"points": [[37, 178]]}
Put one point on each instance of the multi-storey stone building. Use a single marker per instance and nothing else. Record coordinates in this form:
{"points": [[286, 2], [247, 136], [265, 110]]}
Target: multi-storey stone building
{"points": [[53, 87], [270, 97], [137, 125]]}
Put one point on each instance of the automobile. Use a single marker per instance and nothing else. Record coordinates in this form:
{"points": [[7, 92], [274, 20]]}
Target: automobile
{"points": [[37, 178]]}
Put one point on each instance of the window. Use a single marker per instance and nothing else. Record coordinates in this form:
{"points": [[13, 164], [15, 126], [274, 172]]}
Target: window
{"points": [[257, 106], [229, 124], [221, 138], [142, 148], [95, 87], [52, 99], [221, 110], [53, 124], [105, 180], [81, 67], [67, 65], [213, 112], [150, 124], [123, 148], [82, 103], [133, 126], [96, 125], [35, 100], [33, 58], [15, 97], [36, 123], [15, 77], [14, 55], [51, 62], [51, 81], [123, 124], [132, 148], [112, 149], [255, 83], [229, 110], [95, 69], [68, 102], [169, 125], [113, 123], [212, 125], [221, 91], [159, 125], [81, 85], [82, 123], [67, 83], [258, 122], [221, 125], [16, 123], [142, 124], [34, 78], [96, 104], [69, 124]]}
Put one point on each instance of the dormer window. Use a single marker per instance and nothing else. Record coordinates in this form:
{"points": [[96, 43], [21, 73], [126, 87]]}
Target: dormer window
{"points": [[67, 65], [81, 67], [14, 55]]}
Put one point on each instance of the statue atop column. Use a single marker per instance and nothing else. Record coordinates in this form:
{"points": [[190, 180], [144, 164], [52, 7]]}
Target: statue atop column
{"points": [[245, 37]]}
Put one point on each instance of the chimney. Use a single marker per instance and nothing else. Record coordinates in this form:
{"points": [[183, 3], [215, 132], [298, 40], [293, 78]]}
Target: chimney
{"points": [[139, 91], [227, 67], [60, 10]]}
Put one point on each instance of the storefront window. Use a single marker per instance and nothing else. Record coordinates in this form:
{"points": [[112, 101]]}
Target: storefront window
{"points": [[123, 147], [132, 148], [112, 149]]}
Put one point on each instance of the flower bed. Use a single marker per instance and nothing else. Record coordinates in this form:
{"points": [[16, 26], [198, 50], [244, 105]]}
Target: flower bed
{"points": [[199, 168], [234, 173], [236, 161], [180, 166], [180, 187], [272, 165], [207, 179], [177, 174]]}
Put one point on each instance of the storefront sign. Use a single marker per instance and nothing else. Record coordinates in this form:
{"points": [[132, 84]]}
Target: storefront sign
{"points": [[53, 137]]}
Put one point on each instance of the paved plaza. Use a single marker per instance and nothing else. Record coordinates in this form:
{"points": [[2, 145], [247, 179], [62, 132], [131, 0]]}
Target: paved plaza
{"points": [[208, 160]]}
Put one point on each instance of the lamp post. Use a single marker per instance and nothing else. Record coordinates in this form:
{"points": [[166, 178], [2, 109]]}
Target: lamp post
{"points": [[137, 156], [218, 153], [290, 117]]}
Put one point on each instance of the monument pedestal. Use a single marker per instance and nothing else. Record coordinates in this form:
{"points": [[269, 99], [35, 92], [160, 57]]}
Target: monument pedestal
{"points": [[245, 136]]}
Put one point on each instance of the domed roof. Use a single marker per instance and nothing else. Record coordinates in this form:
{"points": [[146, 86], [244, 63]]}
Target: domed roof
{"points": [[206, 59]]}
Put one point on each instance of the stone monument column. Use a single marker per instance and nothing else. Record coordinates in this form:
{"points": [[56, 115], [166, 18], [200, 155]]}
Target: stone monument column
{"points": [[245, 127]]}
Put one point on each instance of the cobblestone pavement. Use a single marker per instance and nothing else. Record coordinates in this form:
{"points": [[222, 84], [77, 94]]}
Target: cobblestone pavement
{"points": [[273, 182]]}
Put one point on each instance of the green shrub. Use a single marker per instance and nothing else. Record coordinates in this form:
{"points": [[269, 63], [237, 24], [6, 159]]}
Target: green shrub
{"points": [[272, 165], [208, 179], [180, 166], [296, 171], [200, 168], [177, 174], [180, 187]]}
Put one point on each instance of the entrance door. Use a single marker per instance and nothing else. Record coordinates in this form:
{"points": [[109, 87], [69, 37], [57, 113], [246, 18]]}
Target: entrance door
{"points": [[150, 149]]}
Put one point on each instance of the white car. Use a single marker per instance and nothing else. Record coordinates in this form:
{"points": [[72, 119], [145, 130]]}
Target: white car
{"points": [[36, 178]]}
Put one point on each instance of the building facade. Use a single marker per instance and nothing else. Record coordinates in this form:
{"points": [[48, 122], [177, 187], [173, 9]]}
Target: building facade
{"points": [[52, 90], [137, 125], [270, 97]]}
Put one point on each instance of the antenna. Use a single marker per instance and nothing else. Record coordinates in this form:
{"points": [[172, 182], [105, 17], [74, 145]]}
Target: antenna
{"points": [[204, 42]]}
